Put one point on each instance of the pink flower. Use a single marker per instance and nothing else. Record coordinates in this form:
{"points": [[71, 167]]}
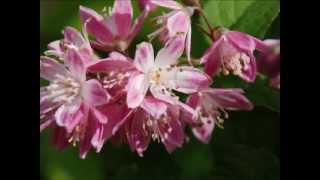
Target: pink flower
{"points": [[114, 31], [146, 5], [210, 105], [232, 52], [176, 22], [162, 75], [154, 120], [268, 61], [69, 98], [72, 39], [114, 73]]}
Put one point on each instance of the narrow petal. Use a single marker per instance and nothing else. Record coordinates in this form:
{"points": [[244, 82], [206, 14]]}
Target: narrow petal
{"points": [[232, 99], [122, 13], [189, 80], [76, 64], [171, 52], [94, 94], [167, 3], [188, 44], [178, 23], [95, 25], [50, 69], [137, 89], [144, 57], [154, 107], [212, 58]]}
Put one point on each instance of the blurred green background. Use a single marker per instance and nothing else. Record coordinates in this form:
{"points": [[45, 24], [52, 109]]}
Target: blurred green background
{"points": [[247, 149]]}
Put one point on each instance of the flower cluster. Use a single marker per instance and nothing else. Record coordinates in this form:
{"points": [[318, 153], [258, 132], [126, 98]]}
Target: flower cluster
{"points": [[134, 100]]}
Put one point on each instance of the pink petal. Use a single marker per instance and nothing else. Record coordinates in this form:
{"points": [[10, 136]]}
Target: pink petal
{"points": [[187, 113], [65, 115], [232, 99], [138, 137], [94, 94], [76, 64], [212, 58], [189, 80], [179, 22], [203, 133], [49, 69], [154, 107], [116, 114], [109, 64], [94, 24], [174, 137], [171, 52], [167, 3], [122, 13], [118, 56], [137, 89], [156, 91], [241, 40], [99, 115], [144, 57], [73, 36]]}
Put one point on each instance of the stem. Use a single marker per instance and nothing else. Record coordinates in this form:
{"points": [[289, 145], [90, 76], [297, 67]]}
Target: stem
{"points": [[203, 30], [206, 19]]}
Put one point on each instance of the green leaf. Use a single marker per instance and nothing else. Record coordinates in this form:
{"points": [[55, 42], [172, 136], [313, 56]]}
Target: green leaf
{"points": [[250, 16], [257, 18]]}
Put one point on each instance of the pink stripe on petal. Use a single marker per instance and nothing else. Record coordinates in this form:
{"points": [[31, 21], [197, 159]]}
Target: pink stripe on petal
{"points": [[122, 13], [95, 25], [94, 94], [76, 64], [241, 40], [171, 52], [178, 23], [144, 57], [73, 36]]}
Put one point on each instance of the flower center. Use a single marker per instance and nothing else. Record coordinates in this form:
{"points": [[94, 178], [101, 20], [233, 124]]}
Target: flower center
{"points": [[237, 63], [63, 90], [153, 125], [114, 79]]}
